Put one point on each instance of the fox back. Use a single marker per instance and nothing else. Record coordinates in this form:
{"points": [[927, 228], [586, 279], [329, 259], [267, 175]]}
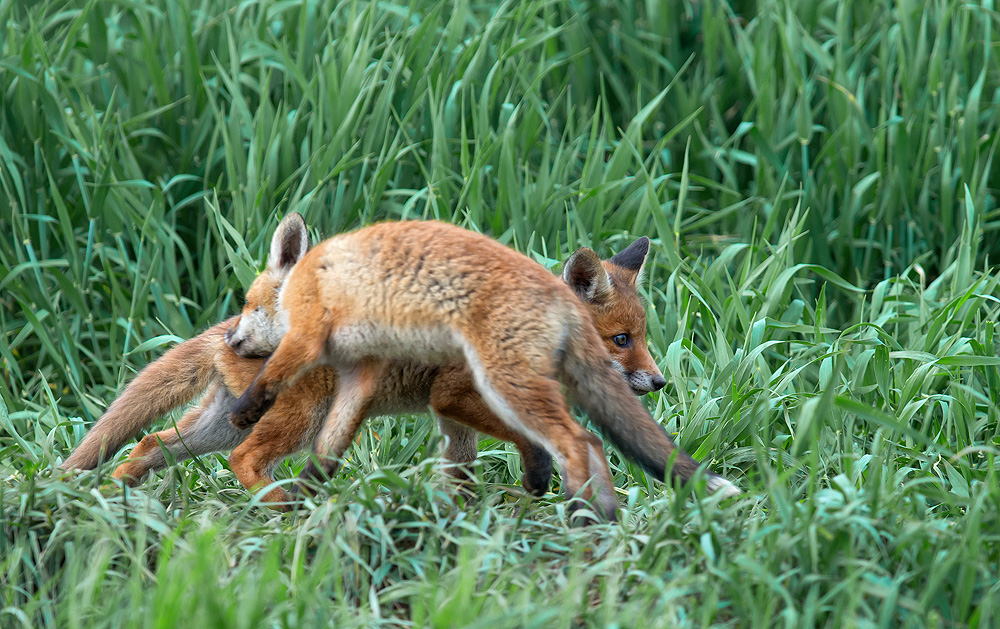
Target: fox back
{"points": [[608, 289]]}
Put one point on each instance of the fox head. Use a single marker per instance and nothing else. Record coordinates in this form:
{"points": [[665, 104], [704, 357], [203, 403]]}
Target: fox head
{"points": [[609, 289], [262, 324]]}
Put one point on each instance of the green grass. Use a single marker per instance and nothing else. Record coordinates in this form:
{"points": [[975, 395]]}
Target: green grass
{"points": [[818, 181]]}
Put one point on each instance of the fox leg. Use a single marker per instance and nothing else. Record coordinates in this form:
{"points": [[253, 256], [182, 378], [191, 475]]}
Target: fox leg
{"points": [[463, 448], [203, 429], [534, 406], [354, 399], [462, 412], [284, 430], [463, 443], [148, 456], [253, 463], [298, 351]]}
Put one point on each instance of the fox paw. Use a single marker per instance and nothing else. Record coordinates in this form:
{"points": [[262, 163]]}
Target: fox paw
{"points": [[536, 481], [242, 421], [250, 408]]}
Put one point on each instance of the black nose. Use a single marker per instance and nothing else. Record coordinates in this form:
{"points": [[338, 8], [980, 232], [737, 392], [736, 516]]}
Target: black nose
{"points": [[658, 382]]}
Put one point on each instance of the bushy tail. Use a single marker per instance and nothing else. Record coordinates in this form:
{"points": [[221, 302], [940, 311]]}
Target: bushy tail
{"points": [[600, 391], [173, 379]]}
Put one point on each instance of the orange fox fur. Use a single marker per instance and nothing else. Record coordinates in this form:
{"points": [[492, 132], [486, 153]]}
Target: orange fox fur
{"points": [[407, 386], [440, 294]]}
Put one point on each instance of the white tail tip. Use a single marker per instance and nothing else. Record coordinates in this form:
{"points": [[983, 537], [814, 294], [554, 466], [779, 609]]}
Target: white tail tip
{"points": [[722, 486]]}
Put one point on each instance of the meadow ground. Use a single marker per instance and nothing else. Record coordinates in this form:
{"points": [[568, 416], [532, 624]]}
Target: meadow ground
{"points": [[817, 177]]}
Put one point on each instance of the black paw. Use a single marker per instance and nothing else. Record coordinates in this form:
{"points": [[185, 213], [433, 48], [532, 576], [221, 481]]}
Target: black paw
{"points": [[250, 408], [537, 472], [536, 481]]}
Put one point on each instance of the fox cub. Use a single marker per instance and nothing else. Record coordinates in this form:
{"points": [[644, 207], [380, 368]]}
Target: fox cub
{"points": [[205, 362], [438, 294]]}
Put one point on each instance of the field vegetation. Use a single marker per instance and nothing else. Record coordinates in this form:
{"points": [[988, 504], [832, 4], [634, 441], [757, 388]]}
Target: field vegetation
{"points": [[818, 180]]}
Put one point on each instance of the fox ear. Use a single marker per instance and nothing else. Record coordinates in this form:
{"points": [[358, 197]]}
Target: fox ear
{"points": [[289, 242], [585, 274], [632, 258]]}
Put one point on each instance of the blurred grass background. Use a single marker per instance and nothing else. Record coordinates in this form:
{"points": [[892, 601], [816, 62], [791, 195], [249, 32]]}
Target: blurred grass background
{"points": [[818, 181]]}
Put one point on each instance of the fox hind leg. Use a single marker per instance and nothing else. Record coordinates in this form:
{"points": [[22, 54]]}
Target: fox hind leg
{"points": [[204, 428], [462, 411], [254, 460], [288, 427], [354, 399], [534, 406], [463, 445]]}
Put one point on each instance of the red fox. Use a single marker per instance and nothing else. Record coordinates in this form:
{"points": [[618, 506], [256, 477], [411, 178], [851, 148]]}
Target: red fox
{"points": [[205, 362], [438, 294]]}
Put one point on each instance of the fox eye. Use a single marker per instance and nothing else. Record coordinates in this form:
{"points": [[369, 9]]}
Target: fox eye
{"points": [[621, 340]]}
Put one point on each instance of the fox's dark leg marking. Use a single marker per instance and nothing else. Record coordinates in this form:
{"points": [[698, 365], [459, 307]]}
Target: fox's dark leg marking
{"points": [[251, 406], [537, 470]]}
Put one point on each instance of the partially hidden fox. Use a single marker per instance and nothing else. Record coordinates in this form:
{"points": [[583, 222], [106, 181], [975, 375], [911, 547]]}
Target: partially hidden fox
{"points": [[438, 294], [205, 362]]}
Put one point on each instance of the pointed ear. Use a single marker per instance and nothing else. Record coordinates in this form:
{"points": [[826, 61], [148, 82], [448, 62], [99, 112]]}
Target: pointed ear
{"points": [[585, 274], [289, 243], [632, 258]]}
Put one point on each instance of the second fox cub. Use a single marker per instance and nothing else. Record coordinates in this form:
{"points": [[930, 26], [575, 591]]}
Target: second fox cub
{"points": [[434, 292], [205, 362]]}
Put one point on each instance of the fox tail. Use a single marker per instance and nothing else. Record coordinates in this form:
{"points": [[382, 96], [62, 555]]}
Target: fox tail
{"points": [[173, 379]]}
